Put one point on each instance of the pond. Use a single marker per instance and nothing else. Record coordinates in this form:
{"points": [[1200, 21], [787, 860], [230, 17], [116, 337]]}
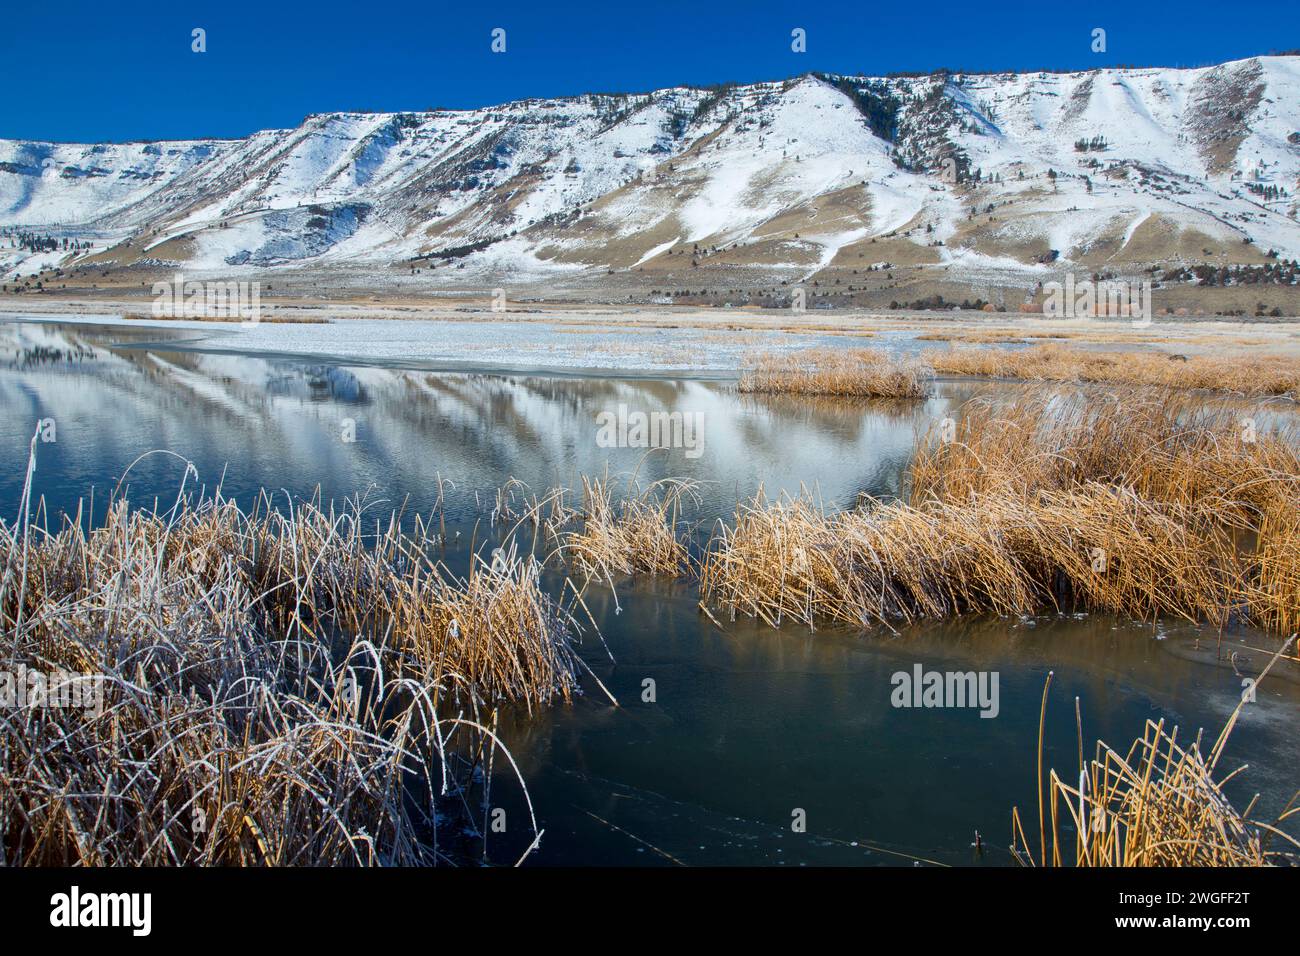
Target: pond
{"points": [[736, 743]]}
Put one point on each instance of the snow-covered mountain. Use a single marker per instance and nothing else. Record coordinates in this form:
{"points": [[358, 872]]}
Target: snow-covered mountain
{"points": [[970, 175]]}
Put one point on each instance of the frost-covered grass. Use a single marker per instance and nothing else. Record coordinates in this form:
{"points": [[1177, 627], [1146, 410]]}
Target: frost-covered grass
{"points": [[302, 688]]}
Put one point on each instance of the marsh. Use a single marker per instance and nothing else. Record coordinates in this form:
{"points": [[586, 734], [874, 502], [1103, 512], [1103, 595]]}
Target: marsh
{"points": [[747, 723]]}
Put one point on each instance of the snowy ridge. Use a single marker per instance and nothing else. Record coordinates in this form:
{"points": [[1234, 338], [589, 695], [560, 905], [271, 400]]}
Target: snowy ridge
{"points": [[975, 171]]}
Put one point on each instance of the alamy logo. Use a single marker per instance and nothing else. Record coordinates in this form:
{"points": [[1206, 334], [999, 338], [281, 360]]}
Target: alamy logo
{"points": [[67, 690], [179, 299], [922, 688], [75, 908], [1088, 299], [627, 429]]}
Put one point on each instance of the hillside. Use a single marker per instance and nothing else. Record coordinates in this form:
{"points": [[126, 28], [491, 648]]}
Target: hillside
{"points": [[867, 189]]}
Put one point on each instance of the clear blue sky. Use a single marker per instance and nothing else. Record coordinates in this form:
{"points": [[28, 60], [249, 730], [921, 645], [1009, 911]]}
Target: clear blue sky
{"points": [[84, 71]]}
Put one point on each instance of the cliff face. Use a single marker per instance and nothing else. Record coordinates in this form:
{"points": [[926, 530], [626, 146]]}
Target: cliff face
{"points": [[968, 173]]}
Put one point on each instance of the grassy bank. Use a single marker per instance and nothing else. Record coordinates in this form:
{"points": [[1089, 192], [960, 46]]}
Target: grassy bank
{"points": [[873, 373], [1252, 374]]}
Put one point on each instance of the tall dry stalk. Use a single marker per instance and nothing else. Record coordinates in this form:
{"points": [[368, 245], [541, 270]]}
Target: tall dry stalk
{"points": [[1158, 804]]}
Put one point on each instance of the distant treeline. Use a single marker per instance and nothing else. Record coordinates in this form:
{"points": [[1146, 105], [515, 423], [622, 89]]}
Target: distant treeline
{"points": [[1281, 272], [34, 242]]}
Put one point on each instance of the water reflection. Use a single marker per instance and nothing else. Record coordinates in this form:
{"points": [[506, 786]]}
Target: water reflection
{"points": [[252, 422]]}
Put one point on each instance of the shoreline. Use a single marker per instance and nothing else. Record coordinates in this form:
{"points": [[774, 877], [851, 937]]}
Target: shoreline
{"points": [[630, 342]]}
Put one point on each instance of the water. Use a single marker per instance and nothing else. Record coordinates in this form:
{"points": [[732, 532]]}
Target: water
{"points": [[251, 423], [753, 723], [749, 726]]}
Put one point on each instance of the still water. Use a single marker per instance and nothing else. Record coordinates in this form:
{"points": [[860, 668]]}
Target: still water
{"points": [[750, 727]]}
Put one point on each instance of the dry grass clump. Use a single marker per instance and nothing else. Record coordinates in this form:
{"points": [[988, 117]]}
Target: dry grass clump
{"points": [[1005, 553], [637, 533], [974, 337], [1224, 458], [1158, 804], [495, 629], [1148, 506], [790, 559], [1231, 474], [273, 688], [867, 373], [1252, 375], [1107, 548]]}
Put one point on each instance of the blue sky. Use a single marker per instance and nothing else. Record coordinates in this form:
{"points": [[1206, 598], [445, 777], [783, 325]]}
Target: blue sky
{"points": [[83, 71]]}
